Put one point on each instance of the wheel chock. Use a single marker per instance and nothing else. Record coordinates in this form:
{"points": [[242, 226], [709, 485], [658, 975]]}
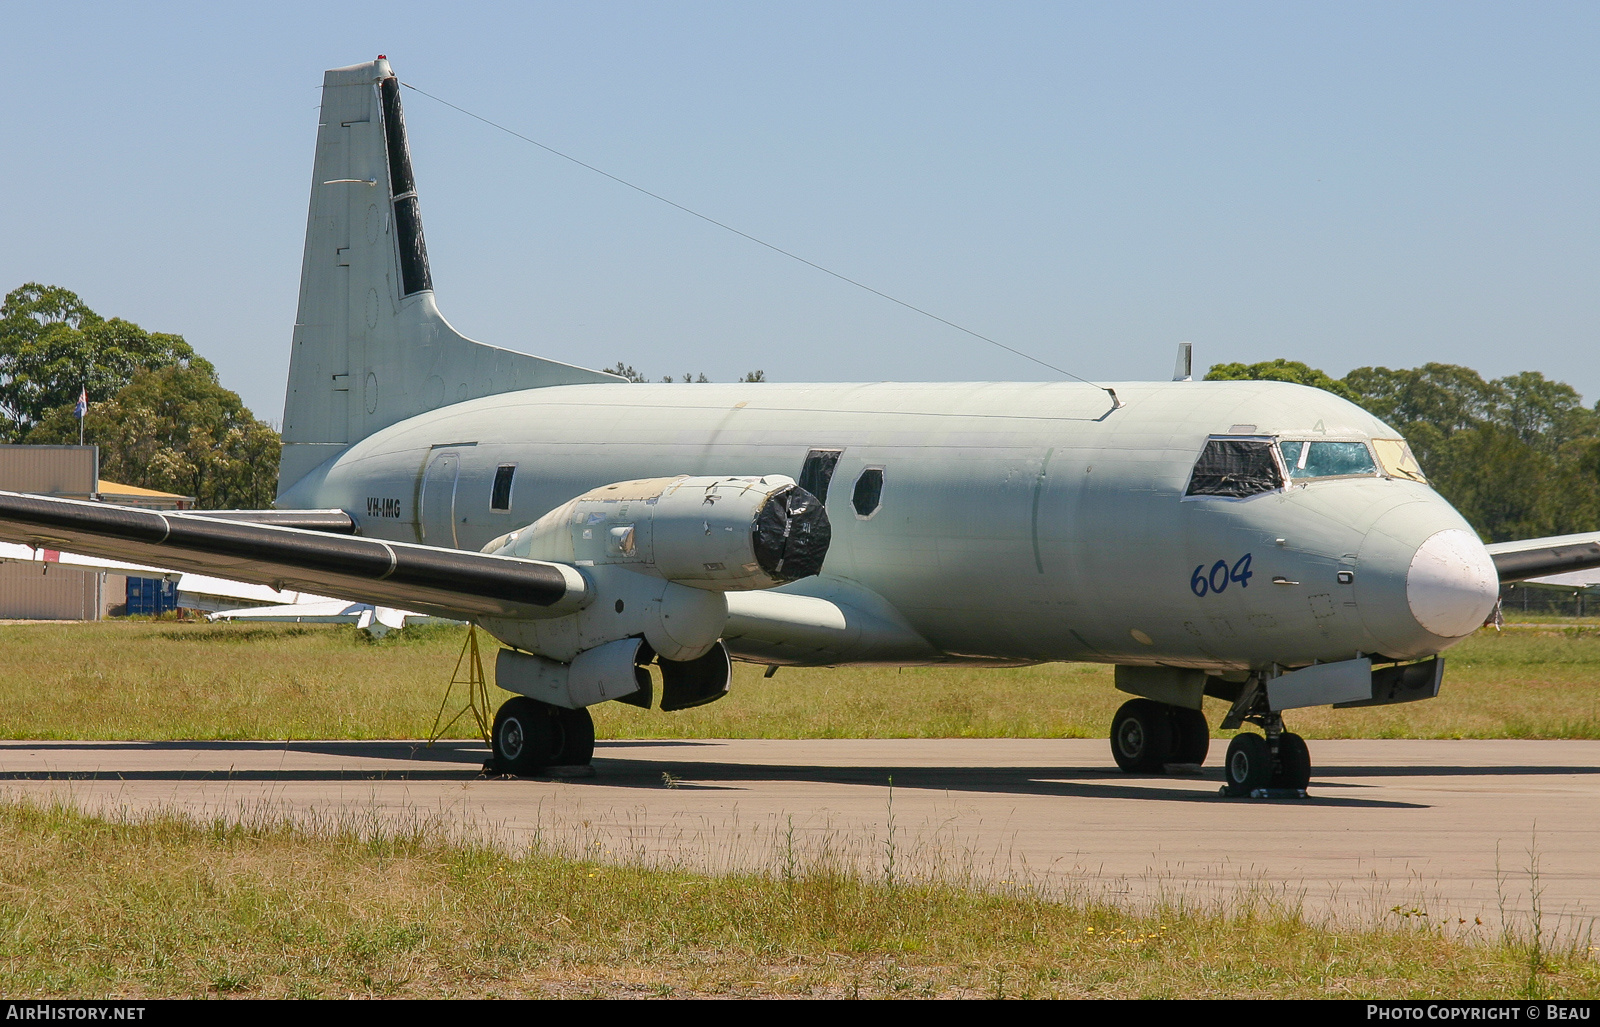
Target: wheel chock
{"points": [[1270, 793]]}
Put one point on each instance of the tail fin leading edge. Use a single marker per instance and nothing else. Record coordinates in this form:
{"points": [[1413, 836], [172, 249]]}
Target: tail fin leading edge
{"points": [[370, 346]]}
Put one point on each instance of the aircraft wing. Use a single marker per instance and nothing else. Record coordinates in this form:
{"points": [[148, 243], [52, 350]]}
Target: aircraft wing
{"points": [[1536, 557], [443, 582]]}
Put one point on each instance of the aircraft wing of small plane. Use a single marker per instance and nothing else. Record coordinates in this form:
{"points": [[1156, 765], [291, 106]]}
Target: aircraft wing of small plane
{"points": [[442, 582], [1537, 557], [376, 619]]}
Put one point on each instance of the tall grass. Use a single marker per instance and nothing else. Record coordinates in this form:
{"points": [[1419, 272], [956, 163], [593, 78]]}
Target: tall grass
{"points": [[168, 680], [160, 905]]}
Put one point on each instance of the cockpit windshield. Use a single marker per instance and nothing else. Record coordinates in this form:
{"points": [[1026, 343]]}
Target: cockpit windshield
{"points": [[1327, 459]]}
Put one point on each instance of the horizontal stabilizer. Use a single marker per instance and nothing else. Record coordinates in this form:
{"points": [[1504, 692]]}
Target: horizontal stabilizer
{"points": [[442, 582], [1536, 557]]}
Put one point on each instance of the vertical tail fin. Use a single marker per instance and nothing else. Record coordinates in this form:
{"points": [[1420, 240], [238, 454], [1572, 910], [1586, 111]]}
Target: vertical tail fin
{"points": [[370, 346]]}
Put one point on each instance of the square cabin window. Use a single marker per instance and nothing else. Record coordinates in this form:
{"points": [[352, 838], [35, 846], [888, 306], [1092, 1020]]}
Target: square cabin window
{"points": [[500, 498]]}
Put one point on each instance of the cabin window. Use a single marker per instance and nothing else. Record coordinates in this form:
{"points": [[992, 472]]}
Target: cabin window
{"points": [[500, 499], [818, 471], [1235, 467], [1395, 457], [1327, 459], [868, 495]]}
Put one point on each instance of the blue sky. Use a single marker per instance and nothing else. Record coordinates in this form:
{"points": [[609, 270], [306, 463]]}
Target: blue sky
{"points": [[1344, 184]]}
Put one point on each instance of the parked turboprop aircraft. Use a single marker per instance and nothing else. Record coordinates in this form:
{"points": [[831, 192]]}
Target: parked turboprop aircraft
{"points": [[1267, 544]]}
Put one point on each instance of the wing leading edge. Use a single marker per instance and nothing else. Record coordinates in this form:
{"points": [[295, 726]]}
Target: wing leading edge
{"points": [[1537, 557], [443, 582]]}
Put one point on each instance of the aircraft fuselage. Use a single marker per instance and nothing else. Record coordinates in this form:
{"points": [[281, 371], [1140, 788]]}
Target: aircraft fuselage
{"points": [[1016, 522]]}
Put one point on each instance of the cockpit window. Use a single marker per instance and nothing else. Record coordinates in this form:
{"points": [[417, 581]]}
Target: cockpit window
{"points": [[1397, 461], [1235, 467], [1327, 459]]}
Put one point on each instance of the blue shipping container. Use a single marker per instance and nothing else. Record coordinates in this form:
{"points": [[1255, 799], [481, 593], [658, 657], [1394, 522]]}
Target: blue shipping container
{"points": [[151, 596]]}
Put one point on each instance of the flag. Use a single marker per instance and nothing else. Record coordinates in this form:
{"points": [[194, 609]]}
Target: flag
{"points": [[83, 403]]}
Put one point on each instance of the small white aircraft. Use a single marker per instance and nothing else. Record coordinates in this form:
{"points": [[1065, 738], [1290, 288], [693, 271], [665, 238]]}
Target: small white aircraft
{"points": [[1266, 544], [224, 599]]}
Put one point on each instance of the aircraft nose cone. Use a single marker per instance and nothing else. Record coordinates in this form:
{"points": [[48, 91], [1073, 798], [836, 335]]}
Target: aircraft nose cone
{"points": [[1451, 585]]}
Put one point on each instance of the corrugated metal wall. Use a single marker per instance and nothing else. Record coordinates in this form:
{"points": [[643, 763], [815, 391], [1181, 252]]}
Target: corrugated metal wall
{"points": [[54, 470], [49, 591]]}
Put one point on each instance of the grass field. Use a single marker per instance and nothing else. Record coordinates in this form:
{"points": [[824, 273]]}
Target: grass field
{"points": [[163, 906], [167, 679], [167, 907]]}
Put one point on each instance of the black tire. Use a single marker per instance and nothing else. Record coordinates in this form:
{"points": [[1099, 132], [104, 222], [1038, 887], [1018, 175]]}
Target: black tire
{"points": [[577, 738], [1141, 737], [1249, 764], [1293, 764], [526, 735], [1191, 735]]}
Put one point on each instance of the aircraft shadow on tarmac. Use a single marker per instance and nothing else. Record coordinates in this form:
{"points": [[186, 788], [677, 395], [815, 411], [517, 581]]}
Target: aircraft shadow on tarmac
{"points": [[457, 760], [1080, 782], [462, 761]]}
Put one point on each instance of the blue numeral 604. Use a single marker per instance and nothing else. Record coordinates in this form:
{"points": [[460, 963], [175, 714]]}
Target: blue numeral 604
{"points": [[1203, 582]]}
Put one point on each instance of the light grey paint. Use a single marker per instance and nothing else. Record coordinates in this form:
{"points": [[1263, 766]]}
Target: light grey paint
{"points": [[984, 554]]}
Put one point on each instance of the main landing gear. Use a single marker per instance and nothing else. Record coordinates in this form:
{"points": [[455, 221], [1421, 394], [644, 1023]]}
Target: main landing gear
{"points": [[530, 736], [1147, 736]]}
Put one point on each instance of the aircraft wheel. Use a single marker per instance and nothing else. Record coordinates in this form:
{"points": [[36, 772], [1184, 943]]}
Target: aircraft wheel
{"points": [[526, 735], [1249, 764], [577, 738], [1141, 737], [1191, 735], [1294, 762]]}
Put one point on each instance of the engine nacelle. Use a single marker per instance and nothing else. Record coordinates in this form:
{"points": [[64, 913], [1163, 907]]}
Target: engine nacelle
{"points": [[679, 622], [616, 671], [658, 554], [722, 534]]}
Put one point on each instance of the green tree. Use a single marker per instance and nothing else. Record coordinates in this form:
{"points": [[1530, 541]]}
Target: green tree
{"points": [[1544, 414], [1504, 487], [1279, 370], [52, 346], [1446, 396], [625, 371], [177, 429]]}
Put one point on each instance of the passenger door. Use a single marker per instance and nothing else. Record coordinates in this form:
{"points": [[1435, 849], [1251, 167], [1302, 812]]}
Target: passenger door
{"points": [[436, 506]]}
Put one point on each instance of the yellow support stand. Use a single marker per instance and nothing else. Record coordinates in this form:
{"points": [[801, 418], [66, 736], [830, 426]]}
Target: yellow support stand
{"points": [[477, 689]]}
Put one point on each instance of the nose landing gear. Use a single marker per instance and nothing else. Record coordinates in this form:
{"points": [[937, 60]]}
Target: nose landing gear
{"points": [[1278, 762]]}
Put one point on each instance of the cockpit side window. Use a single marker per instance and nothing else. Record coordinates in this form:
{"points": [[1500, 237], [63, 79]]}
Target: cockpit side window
{"points": [[1395, 457], [1235, 467], [1327, 459]]}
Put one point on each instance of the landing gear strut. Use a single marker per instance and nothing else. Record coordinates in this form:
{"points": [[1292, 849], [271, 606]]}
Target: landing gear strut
{"points": [[1278, 760], [1146, 736], [530, 735]]}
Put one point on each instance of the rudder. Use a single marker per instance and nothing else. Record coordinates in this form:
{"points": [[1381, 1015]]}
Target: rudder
{"points": [[370, 346]]}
